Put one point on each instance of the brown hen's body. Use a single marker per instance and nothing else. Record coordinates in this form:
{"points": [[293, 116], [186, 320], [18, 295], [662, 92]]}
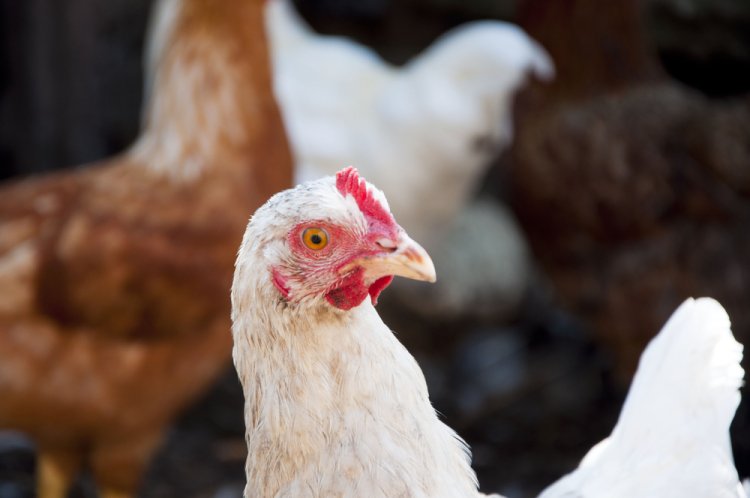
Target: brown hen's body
{"points": [[115, 277]]}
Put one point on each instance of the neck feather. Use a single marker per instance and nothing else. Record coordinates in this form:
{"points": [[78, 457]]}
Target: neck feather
{"points": [[334, 403], [208, 85]]}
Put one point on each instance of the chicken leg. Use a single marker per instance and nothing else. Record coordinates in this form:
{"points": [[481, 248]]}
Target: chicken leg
{"points": [[55, 473], [114, 493], [119, 465]]}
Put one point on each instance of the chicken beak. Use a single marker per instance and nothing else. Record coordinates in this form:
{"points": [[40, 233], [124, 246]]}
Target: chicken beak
{"points": [[405, 259]]}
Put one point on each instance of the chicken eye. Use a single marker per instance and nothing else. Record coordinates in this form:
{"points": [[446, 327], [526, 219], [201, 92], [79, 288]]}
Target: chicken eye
{"points": [[315, 238]]}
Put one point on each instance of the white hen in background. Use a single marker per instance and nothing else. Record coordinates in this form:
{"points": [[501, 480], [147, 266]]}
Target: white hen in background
{"points": [[336, 406], [672, 438], [425, 133]]}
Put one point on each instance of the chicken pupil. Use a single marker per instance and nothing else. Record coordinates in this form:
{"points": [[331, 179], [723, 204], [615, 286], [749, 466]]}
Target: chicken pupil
{"points": [[315, 239]]}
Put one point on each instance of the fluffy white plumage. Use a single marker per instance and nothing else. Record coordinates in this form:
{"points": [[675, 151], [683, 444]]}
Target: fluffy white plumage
{"points": [[336, 406], [425, 132], [672, 438]]}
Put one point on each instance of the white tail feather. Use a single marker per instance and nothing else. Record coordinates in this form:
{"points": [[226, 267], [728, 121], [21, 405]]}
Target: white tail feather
{"points": [[672, 438]]}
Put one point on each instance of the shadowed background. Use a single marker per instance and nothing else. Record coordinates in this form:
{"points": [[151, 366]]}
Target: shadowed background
{"points": [[641, 96]]}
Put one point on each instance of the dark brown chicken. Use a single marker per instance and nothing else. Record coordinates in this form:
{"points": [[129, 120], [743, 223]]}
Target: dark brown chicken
{"points": [[115, 278], [633, 188]]}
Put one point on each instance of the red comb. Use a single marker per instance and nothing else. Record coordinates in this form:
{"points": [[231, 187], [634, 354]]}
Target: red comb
{"points": [[349, 182]]}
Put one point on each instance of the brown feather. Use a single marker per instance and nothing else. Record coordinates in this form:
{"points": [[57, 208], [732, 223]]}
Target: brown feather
{"points": [[116, 277]]}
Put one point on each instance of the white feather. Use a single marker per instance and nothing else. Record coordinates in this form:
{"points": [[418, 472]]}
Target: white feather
{"points": [[334, 404], [672, 437], [413, 131], [162, 21]]}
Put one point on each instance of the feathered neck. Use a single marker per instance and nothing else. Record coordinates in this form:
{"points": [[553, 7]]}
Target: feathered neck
{"points": [[334, 404], [208, 87]]}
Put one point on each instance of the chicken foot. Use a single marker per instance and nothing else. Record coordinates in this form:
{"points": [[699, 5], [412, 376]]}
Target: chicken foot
{"points": [[55, 473]]}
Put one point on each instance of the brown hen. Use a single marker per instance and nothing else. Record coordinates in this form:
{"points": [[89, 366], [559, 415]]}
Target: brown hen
{"points": [[115, 278]]}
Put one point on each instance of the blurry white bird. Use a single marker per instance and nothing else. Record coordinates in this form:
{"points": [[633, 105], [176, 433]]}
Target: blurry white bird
{"points": [[336, 406], [425, 133], [672, 438]]}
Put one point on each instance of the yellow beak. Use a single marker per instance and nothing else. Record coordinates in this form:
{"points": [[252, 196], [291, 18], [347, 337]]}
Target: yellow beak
{"points": [[405, 259]]}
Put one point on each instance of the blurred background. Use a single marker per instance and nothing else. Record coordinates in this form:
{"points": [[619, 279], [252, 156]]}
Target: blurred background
{"points": [[628, 175]]}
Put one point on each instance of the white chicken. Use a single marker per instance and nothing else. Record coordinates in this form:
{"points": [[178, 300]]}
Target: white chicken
{"points": [[425, 133], [336, 406]]}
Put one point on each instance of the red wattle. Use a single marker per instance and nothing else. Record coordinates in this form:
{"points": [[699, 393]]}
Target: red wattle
{"points": [[353, 291], [347, 297], [377, 287]]}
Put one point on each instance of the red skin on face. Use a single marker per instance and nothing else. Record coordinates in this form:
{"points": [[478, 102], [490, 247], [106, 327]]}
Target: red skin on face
{"points": [[280, 282], [352, 291], [378, 286], [323, 265]]}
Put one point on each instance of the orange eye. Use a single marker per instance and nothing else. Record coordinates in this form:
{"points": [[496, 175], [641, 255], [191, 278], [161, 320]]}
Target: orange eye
{"points": [[315, 238]]}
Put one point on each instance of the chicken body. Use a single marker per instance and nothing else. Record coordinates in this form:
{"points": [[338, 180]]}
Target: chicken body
{"points": [[114, 314], [336, 406]]}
